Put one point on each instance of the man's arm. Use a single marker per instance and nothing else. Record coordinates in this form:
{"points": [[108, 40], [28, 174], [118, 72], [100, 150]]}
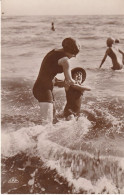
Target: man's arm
{"points": [[64, 62]]}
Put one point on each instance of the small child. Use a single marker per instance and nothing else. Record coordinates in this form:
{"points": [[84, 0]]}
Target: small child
{"points": [[74, 93]]}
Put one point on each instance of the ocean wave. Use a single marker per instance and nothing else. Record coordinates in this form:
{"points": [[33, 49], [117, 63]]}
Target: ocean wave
{"points": [[27, 54], [75, 166], [112, 22], [91, 37]]}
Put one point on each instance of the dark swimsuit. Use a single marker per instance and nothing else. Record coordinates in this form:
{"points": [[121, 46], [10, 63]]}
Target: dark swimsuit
{"points": [[43, 86], [74, 98]]}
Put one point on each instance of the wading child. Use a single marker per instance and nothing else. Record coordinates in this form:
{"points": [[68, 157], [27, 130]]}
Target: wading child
{"points": [[74, 93]]}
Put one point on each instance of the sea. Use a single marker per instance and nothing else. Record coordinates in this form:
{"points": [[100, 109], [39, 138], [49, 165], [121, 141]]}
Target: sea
{"points": [[81, 156]]}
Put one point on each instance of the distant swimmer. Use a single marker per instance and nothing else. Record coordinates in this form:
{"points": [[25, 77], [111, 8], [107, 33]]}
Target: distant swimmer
{"points": [[53, 28], [113, 52]]}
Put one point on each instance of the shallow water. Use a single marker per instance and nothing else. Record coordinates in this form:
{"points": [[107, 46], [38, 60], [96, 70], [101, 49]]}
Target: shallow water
{"points": [[84, 156]]}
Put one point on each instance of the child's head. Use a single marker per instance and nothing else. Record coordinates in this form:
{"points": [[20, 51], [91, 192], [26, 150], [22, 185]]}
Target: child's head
{"points": [[110, 41], [78, 74]]}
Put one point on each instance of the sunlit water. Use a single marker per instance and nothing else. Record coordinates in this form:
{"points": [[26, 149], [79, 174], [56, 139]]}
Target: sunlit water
{"points": [[84, 156]]}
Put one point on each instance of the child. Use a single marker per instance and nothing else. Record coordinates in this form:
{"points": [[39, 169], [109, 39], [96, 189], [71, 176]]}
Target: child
{"points": [[113, 53], [74, 93]]}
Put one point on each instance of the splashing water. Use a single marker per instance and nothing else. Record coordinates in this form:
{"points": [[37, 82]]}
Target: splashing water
{"points": [[83, 171]]}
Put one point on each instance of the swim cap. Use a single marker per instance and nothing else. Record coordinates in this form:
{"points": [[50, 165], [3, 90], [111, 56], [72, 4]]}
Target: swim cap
{"points": [[79, 69], [110, 41], [71, 46]]}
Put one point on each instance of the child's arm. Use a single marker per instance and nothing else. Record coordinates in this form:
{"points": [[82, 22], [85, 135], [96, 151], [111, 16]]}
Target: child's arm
{"points": [[80, 87], [58, 82], [61, 83], [104, 58]]}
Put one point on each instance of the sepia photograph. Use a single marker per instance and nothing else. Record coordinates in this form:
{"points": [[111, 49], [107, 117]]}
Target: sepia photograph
{"points": [[62, 96]]}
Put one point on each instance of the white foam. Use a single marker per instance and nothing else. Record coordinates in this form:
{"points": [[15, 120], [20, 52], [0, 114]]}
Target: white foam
{"points": [[105, 185], [121, 164], [37, 140], [20, 141]]}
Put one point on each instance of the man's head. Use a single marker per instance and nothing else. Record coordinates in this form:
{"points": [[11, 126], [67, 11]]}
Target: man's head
{"points": [[71, 46]]}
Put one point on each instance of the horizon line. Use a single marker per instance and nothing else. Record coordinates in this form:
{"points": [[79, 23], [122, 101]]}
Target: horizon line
{"points": [[60, 14]]}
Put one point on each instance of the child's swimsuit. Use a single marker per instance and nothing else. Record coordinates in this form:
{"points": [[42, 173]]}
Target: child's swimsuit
{"points": [[43, 86], [73, 105]]}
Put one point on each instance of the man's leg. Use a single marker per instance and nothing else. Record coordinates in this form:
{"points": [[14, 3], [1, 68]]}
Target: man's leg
{"points": [[46, 110]]}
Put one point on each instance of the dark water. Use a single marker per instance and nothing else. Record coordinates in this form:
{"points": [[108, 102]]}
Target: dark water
{"points": [[84, 156]]}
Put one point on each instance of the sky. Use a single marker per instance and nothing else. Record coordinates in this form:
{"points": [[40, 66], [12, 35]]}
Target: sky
{"points": [[62, 7]]}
